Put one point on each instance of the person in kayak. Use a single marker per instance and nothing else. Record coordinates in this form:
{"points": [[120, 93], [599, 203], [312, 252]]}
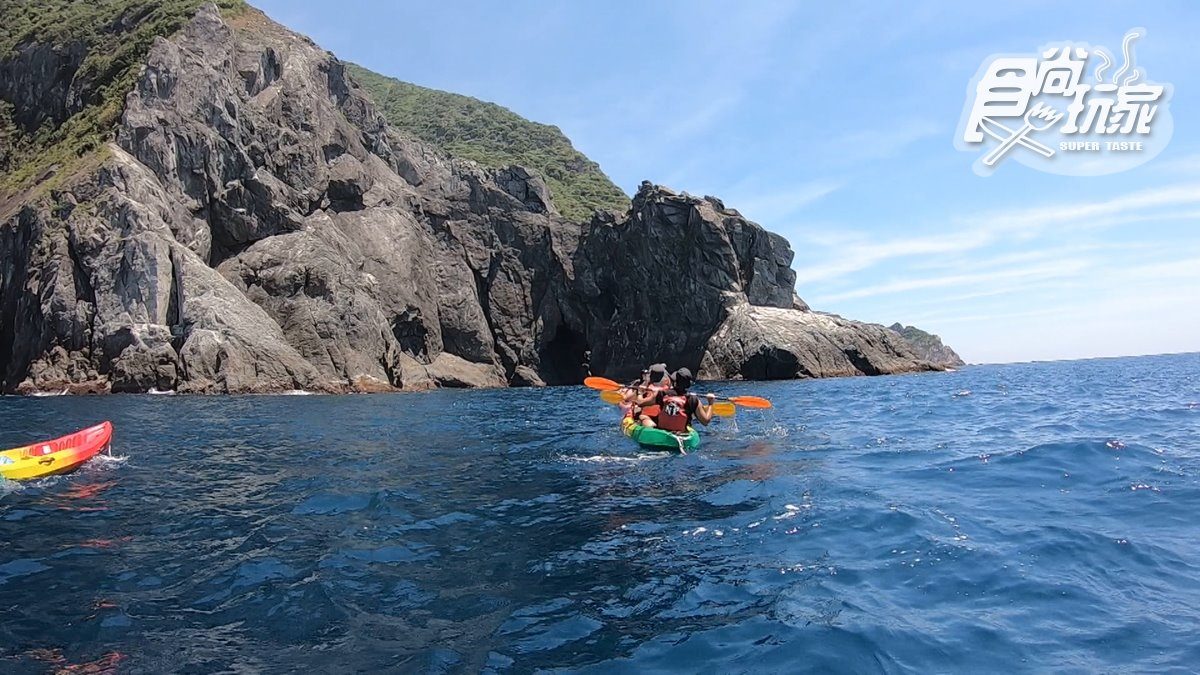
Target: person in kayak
{"points": [[659, 376], [654, 379], [676, 408], [642, 382], [631, 392]]}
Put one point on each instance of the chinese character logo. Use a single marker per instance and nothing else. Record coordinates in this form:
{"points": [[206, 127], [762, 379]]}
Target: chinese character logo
{"points": [[1044, 112]]}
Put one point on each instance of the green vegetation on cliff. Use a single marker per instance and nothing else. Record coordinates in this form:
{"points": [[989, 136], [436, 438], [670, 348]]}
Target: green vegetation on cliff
{"points": [[496, 137], [98, 49]]}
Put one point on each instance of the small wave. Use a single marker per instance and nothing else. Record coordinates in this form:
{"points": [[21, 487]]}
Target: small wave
{"points": [[618, 459], [8, 487], [41, 394], [791, 511], [297, 392], [161, 392], [99, 463], [104, 459]]}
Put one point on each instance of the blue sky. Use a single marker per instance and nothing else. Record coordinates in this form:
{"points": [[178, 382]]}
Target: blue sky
{"points": [[834, 126]]}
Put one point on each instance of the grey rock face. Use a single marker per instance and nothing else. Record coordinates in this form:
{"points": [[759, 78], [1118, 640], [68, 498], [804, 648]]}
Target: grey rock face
{"points": [[257, 226], [105, 297], [686, 281], [928, 346], [656, 285], [40, 83], [771, 343]]}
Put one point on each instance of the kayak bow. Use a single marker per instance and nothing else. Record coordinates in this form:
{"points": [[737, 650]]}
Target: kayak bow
{"points": [[60, 455], [658, 439]]}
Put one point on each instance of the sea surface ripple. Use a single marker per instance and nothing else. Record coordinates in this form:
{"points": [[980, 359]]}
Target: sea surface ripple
{"points": [[1034, 517]]}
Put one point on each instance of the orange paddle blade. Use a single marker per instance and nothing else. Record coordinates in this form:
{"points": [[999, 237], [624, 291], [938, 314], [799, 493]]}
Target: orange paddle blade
{"points": [[612, 397], [601, 383], [724, 409], [751, 401]]}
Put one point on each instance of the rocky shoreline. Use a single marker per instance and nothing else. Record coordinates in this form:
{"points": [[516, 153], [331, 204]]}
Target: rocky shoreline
{"points": [[255, 225]]}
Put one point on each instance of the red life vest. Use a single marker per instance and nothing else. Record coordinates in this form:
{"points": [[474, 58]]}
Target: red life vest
{"points": [[673, 415]]}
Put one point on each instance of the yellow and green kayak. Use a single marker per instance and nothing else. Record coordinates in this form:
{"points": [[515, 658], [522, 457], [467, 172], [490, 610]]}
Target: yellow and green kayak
{"points": [[658, 439]]}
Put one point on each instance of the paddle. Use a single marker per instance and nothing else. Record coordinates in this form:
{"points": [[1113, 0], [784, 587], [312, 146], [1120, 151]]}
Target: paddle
{"points": [[601, 383], [605, 384], [613, 397], [720, 409], [749, 401], [724, 409]]}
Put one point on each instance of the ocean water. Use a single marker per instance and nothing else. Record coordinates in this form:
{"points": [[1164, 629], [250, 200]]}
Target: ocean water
{"points": [[1038, 517]]}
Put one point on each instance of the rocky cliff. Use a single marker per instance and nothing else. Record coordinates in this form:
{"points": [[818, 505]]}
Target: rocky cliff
{"points": [[928, 346], [255, 224]]}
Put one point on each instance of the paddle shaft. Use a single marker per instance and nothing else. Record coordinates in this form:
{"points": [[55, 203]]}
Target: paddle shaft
{"points": [[720, 408], [605, 384]]}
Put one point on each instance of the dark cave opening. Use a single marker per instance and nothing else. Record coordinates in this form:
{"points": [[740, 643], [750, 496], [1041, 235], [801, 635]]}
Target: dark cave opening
{"points": [[410, 331], [771, 364], [564, 359]]}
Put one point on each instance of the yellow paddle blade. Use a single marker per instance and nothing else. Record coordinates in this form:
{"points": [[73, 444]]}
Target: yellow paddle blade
{"points": [[612, 397], [601, 383], [751, 401], [724, 409]]}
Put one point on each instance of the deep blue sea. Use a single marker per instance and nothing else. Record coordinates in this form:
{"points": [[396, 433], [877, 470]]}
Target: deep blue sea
{"points": [[1035, 517]]}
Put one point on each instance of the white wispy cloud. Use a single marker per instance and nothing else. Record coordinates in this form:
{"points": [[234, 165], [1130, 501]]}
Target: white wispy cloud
{"points": [[1177, 165], [1133, 310], [1183, 269], [1062, 316], [882, 142], [857, 256], [985, 261], [852, 253], [947, 318], [1057, 269], [770, 206], [654, 120], [1136, 204], [696, 121]]}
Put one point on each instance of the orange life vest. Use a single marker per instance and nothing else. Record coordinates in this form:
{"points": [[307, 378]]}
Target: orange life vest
{"points": [[673, 415]]}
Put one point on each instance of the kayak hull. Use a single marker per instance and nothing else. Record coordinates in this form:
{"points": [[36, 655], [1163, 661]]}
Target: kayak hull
{"points": [[649, 437], [60, 455]]}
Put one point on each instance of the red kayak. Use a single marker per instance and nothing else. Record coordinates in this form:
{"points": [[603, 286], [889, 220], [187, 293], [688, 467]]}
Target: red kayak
{"points": [[60, 455]]}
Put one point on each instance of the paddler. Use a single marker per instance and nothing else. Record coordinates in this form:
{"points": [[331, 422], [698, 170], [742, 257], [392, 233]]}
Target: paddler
{"points": [[654, 379], [674, 408], [642, 382], [631, 392]]}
